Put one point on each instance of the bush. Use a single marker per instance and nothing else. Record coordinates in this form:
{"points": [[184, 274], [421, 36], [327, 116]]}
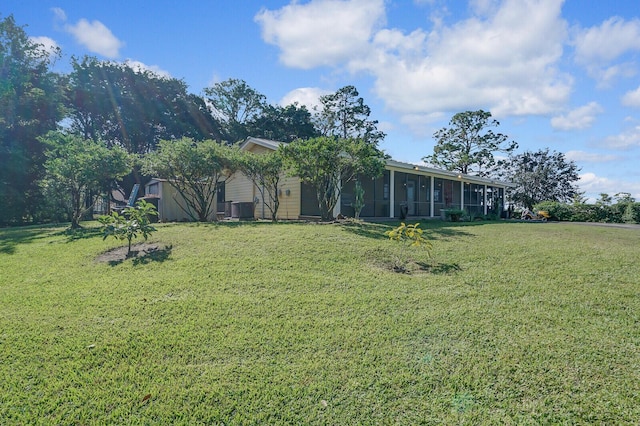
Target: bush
{"points": [[453, 215], [557, 210]]}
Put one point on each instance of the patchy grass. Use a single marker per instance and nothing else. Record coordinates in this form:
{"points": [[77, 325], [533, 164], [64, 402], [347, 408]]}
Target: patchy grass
{"points": [[253, 323]]}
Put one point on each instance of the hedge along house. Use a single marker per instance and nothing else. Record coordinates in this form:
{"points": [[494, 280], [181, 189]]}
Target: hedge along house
{"points": [[403, 190]]}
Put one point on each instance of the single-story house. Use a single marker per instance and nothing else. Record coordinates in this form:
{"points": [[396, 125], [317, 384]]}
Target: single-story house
{"points": [[409, 189]]}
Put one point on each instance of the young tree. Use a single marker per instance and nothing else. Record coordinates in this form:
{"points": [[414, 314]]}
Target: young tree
{"points": [[194, 169], [466, 146], [326, 162], [235, 104], [30, 106], [265, 171], [540, 176], [345, 115], [80, 170]]}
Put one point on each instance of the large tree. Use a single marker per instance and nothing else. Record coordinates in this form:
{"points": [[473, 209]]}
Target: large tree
{"points": [[79, 171], [284, 124], [345, 115], [467, 145], [30, 106], [195, 169], [540, 176], [235, 104], [134, 108], [326, 163]]}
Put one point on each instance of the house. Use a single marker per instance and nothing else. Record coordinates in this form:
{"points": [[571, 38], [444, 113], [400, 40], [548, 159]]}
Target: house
{"points": [[403, 190]]}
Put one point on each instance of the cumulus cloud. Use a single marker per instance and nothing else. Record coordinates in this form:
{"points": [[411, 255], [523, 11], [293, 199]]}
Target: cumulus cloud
{"points": [[307, 96], [494, 60], [48, 44], [94, 35], [632, 98], [593, 185], [321, 32], [590, 157], [580, 118], [141, 67], [625, 140], [597, 48]]}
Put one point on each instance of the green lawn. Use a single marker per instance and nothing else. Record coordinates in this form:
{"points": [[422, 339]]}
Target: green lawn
{"points": [[508, 323]]}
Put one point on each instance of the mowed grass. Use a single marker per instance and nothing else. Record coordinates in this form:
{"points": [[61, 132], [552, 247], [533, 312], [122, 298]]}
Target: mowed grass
{"points": [[256, 323]]}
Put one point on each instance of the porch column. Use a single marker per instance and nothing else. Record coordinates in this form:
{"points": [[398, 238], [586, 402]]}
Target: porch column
{"points": [[485, 199], [461, 195], [392, 193], [431, 183]]}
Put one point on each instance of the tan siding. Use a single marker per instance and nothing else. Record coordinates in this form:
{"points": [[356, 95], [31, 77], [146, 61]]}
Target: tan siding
{"points": [[239, 188], [169, 209], [289, 204]]}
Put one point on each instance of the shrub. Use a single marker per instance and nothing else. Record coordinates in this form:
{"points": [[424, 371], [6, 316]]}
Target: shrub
{"points": [[453, 215], [557, 210]]}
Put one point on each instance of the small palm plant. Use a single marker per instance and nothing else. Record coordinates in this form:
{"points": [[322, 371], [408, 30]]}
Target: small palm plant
{"points": [[130, 223]]}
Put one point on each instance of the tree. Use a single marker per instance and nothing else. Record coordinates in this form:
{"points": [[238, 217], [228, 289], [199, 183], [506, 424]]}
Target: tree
{"points": [[80, 170], [466, 146], [345, 115], [194, 169], [540, 176], [235, 104], [30, 106], [284, 124], [326, 162], [133, 221], [265, 171], [133, 108]]}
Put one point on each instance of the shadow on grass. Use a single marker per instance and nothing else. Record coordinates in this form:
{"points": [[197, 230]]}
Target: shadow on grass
{"points": [[367, 229], [439, 268], [10, 238], [154, 255], [79, 233]]}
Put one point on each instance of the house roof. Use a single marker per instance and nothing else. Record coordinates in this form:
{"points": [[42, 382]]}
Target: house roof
{"points": [[396, 165], [266, 143]]}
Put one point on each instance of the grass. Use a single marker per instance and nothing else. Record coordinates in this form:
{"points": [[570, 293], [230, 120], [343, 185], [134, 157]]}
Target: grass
{"points": [[508, 323]]}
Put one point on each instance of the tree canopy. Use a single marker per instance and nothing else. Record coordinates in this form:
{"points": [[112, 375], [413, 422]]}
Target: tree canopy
{"points": [[345, 115], [466, 146], [80, 170], [30, 106], [235, 104], [540, 176]]}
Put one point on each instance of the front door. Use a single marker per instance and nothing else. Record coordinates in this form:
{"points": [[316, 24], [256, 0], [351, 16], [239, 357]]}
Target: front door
{"points": [[411, 198]]}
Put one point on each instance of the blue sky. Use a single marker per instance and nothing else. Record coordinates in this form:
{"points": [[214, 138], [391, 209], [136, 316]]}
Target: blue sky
{"points": [[558, 74]]}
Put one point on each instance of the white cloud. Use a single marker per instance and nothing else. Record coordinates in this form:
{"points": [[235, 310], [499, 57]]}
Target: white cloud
{"points": [[608, 41], [590, 157], [308, 96], [321, 32], [498, 63], [597, 48], [495, 61], [625, 140], [594, 185], [48, 44], [140, 67], [632, 98], [580, 118], [94, 35]]}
